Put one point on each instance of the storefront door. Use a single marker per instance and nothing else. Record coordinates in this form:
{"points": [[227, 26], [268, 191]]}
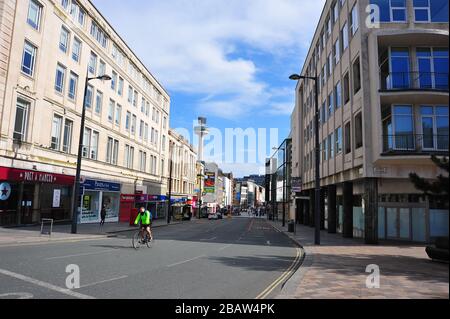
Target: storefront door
{"points": [[26, 206]]}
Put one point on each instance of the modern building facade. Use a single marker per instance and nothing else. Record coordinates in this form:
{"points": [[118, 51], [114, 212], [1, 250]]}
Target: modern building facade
{"points": [[49, 48], [382, 68]]}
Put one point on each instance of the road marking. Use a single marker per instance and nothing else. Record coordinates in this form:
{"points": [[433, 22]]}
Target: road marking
{"points": [[44, 284], [79, 255], [104, 281], [283, 276], [49, 242], [19, 295], [206, 239], [186, 261], [225, 247]]}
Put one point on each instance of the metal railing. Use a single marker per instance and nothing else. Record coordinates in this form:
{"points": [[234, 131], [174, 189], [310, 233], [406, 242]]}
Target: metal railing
{"points": [[414, 80], [417, 143]]}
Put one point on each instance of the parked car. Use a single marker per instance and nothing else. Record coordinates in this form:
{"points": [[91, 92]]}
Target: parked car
{"points": [[213, 216]]}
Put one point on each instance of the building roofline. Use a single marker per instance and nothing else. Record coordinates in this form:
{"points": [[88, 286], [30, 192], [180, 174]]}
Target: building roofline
{"points": [[128, 47]]}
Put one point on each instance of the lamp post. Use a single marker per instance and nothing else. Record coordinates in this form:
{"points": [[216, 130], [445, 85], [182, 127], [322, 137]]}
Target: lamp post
{"points": [[296, 77], [169, 208], [76, 202]]}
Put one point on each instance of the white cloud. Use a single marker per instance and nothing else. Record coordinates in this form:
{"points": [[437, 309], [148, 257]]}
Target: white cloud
{"points": [[190, 46]]}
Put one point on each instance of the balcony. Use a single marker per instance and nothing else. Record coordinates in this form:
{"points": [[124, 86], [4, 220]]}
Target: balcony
{"points": [[407, 81], [415, 144]]}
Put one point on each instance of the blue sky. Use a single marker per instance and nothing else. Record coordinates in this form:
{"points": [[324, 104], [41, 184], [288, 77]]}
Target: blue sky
{"points": [[227, 60]]}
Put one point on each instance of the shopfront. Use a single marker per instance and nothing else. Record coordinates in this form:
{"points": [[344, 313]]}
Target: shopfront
{"points": [[156, 204], [99, 195], [28, 196]]}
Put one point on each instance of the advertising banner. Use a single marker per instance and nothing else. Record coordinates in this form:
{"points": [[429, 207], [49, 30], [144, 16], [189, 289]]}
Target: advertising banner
{"points": [[210, 183]]}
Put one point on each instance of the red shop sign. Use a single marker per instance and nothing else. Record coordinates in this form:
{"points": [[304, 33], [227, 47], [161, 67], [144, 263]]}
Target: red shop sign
{"points": [[126, 198], [20, 175]]}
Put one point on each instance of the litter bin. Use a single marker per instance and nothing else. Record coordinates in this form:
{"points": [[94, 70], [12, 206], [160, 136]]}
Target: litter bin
{"points": [[291, 226]]}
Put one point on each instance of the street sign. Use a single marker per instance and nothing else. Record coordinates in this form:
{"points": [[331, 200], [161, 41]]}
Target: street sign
{"points": [[296, 184]]}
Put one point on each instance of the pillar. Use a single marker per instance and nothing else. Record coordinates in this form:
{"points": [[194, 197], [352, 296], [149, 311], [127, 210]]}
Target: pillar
{"points": [[306, 205], [312, 200], [370, 198], [300, 212], [331, 204], [322, 208], [347, 231]]}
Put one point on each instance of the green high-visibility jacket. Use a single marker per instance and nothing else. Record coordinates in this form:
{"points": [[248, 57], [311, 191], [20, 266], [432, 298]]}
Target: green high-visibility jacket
{"points": [[144, 218]]}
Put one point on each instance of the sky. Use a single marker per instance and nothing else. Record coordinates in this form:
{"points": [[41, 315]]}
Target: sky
{"points": [[226, 60]]}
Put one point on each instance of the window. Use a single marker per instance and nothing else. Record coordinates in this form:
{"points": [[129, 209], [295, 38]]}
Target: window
{"points": [[329, 65], [147, 109], [98, 102], [165, 122], [439, 10], [143, 105], [89, 96], [398, 10], [112, 106], [344, 37], [94, 146], [346, 88], [93, 64], [433, 68], [64, 40], [21, 121], [354, 19], [60, 78], [135, 99], [102, 69], [67, 137], [356, 76], [348, 139], [141, 130], [331, 146], [130, 94], [323, 114], [34, 14], [133, 124], [163, 143], [128, 121], [129, 156], [86, 142], [422, 12], [400, 68], [146, 133], [112, 151], [358, 131], [120, 87], [76, 49], [337, 52], [99, 35], [337, 95], [328, 24], [435, 128], [118, 114], [338, 137], [29, 58], [65, 4], [330, 105], [335, 9], [73, 81], [56, 132], [113, 80], [142, 161], [162, 167], [152, 136]]}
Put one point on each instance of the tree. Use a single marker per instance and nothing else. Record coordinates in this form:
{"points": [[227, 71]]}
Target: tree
{"points": [[438, 187]]}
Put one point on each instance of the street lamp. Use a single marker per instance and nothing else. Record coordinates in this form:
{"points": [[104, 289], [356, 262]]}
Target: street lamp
{"points": [[296, 77], [169, 208], [76, 202]]}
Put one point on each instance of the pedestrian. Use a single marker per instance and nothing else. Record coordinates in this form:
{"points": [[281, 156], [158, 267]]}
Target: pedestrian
{"points": [[103, 215]]}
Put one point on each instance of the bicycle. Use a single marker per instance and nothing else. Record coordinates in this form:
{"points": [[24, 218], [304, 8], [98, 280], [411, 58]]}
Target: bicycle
{"points": [[137, 240]]}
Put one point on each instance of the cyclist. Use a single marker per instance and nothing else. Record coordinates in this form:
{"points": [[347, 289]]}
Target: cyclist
{"points": [[145, 218]]}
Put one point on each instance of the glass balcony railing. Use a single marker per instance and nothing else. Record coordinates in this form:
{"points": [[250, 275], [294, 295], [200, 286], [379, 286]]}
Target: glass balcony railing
{"points": [[414, 81], [415, 143]]}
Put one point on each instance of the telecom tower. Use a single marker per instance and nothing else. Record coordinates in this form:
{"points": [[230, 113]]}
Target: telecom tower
{"points": [[201, 130]]}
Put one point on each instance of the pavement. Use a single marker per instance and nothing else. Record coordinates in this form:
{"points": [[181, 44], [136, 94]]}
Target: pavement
{"points": [[62, 232], [337, 269], [238, 258]]}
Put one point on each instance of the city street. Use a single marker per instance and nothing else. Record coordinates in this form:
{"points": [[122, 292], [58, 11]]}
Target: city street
{"points": [[230, 258]]}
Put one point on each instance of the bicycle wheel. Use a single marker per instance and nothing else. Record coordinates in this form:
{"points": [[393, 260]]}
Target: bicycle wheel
{"points": [[136, 240]]}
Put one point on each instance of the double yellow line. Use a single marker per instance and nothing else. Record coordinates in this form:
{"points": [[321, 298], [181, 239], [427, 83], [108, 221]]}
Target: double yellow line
{"points": [[285, 275]]}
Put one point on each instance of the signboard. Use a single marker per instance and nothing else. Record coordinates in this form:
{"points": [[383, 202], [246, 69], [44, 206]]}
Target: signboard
{"points": [[56, 198], [90, 184], [210, 183], [5, 191], [20, 175], [296, 184]]}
